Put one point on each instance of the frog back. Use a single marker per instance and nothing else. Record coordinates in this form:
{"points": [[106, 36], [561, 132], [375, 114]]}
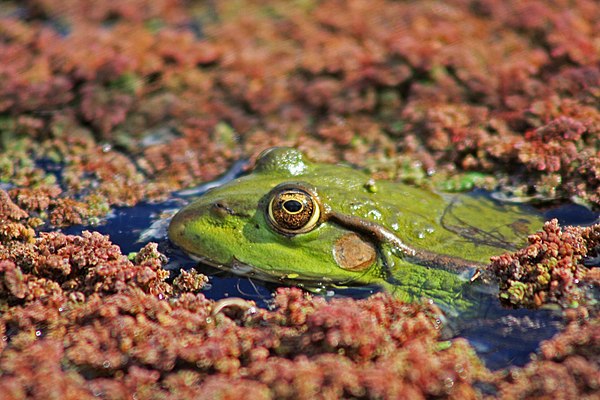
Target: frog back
{"points": [[471, 226]]}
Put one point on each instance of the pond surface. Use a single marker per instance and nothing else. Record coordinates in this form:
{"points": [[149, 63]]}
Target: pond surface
{"points": [[502, 337]]}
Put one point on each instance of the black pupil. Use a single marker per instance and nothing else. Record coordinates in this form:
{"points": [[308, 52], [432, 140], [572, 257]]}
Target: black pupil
{"points": [[292, 206]]}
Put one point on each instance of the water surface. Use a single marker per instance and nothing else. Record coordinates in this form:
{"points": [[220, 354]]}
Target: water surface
{"points": [[501, 336]]}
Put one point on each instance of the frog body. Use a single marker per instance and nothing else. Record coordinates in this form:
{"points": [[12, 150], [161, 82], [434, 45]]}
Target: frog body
{"points": [[292, 220]]}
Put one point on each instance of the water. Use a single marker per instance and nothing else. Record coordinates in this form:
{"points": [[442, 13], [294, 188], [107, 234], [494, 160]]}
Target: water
{"points": [[502, 337]]}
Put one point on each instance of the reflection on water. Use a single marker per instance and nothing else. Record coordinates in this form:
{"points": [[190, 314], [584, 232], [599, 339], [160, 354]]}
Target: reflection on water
{"points": [[502, 337]]}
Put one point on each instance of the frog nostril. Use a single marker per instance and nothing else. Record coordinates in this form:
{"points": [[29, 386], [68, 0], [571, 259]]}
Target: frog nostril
{"points": [[221, 208]]}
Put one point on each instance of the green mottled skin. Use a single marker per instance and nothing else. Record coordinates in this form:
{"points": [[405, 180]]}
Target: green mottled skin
{"points": [[467, 229]]}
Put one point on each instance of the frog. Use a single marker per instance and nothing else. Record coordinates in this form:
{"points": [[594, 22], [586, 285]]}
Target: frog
{"points": [[297, 222]]}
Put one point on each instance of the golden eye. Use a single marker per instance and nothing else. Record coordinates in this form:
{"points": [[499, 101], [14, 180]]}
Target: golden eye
{"points": [[292, 210]]}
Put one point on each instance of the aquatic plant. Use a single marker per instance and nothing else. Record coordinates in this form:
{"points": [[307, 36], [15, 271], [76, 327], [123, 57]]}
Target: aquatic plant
{"points": [[551, 268], [447, 89]]}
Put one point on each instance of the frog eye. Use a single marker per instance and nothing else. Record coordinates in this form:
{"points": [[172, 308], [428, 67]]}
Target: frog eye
{"points": [[292, 210]]}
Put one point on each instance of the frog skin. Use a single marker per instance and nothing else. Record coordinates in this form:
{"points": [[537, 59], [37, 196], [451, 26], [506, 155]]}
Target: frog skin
{"points": [[310, 224]]}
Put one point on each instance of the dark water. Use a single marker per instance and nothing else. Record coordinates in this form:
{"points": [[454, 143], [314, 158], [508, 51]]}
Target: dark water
{"points": [[502, 337]]}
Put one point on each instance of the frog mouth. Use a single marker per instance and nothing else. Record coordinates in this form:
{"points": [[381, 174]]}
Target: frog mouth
{"points": [[246, 270]]}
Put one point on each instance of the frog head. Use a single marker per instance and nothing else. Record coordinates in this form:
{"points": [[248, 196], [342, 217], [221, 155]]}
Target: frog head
{"points": [[275, 224]]}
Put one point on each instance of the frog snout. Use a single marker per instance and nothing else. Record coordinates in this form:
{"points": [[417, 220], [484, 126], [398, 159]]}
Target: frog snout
{"points": [[177, 225]]}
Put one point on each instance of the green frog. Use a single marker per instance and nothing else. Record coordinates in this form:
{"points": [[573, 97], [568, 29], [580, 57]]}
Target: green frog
{"points": [[298, 222]]}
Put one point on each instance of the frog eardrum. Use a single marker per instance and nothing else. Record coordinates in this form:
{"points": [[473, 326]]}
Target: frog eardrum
{"points": [[292, 209]]}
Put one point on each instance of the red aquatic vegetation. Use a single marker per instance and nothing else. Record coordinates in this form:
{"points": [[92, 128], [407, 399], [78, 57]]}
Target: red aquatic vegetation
{"points": [[133, 342], [104, 108], [83, 11], [54, 264], [9, 211], [38, 199], [567, 366], [107, 76], [135, 99], [453, 88], [550, 268], [111, 326], [190, 281], [555, 147], [47, 380]]}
